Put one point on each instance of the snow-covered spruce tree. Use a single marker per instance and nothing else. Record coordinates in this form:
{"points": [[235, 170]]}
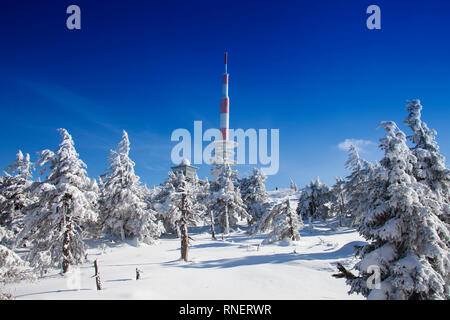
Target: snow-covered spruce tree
{"points": [[149, 194], [14, 193], [203, 193], [361, 172], [181, 207], [166, 203], [7, 237], [281, 222], [225, 201], [22, 166], [190, 212], [124, 213], [149, 197], [92, 227], [312, 200], [12, 269], [339, 200], [293, 186], [53, 224], [408, 243], [430, 167], [254, 195]]}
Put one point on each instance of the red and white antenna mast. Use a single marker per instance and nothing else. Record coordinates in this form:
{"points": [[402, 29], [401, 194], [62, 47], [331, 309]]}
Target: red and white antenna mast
{"points": [[224, 148], [225, 105]]}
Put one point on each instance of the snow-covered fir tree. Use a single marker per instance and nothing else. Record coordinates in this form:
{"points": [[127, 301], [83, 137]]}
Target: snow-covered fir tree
{"points": [[149, 194], [22, 166], [92, 227], [54, 223], [408, 243], [164, 202], [12, 269], [190, 211], [203, 192], [254, 194], [124, 211], [281, 222], [14, 192], [430, 167], [312, 201], [293, 185], [11, 266], [169, 202], [225, 201], [361, 172], [7, 237], [180, 205], [339, 200]]}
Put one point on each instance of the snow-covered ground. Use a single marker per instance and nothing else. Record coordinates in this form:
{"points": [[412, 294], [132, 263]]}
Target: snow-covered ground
{"points": [[280, 195], [232, 268]]}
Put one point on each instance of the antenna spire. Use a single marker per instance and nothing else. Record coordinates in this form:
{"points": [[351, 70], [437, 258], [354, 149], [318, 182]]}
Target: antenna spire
{"points": [[226, 54]]}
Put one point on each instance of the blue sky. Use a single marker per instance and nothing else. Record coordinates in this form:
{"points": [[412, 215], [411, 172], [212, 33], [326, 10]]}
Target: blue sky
{"points": [[308, 68]]}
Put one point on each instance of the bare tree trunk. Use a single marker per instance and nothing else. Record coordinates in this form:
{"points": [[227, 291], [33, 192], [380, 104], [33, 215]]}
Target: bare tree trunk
{"points": [[227, 220], [97, 276], [138, 274], [184, 242], [184, 230], [178, 229], [343, 272], [291, 227], [66, 245], [122, 233], [213, 234], [312, 210], [67, 231]]}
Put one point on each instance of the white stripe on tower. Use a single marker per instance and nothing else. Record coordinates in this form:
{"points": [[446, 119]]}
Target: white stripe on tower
{"points": [[225, 105]]}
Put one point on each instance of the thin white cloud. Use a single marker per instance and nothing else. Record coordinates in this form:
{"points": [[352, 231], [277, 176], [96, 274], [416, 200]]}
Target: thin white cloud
{"points": [[73, 102], [360, 144]]}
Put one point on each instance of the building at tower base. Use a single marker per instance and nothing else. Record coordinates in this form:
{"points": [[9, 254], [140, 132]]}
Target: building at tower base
{"points": [[185, 168]]}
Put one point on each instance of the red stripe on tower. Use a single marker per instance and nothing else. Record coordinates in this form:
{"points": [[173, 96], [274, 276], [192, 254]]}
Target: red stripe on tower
{"points": [[225, 104], [224, 132]]}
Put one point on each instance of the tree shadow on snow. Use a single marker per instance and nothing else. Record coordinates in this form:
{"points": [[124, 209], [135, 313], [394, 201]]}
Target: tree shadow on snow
{"points": [[307, 232], [119, 280], [215, 244], [344, 252], [129, 264], [54, 291]]}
